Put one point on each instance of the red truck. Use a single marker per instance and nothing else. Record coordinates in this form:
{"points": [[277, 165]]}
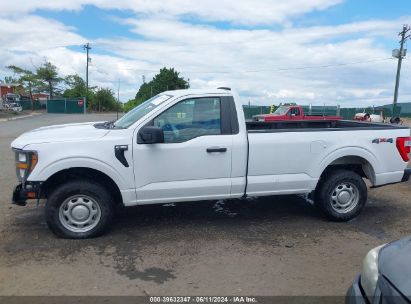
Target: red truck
{"points": [[292, 112]]}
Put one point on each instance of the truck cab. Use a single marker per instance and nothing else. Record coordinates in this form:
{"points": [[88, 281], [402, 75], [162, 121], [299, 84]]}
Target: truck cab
{"points": [[292, 112]]}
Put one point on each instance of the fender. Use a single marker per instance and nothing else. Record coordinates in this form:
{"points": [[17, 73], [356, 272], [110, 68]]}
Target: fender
{"points": [[346, 152], [45, 172]]}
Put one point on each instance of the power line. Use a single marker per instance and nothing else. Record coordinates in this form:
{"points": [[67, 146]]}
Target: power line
{"points": [[320, 66], [266, 69], [370, 98]]}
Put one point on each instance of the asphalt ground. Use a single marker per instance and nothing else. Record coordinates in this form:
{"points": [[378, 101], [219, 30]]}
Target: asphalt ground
{"points": [[269, 246]]}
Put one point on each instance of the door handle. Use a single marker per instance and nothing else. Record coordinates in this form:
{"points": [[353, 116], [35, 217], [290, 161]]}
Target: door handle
{"points": [[216, 149]]}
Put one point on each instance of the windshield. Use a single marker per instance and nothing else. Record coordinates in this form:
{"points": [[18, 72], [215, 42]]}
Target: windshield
{"points": [[281, 110], [141, 110]]}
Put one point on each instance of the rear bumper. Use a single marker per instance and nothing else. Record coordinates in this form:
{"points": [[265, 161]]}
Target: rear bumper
{"points": [[23, 192], [392, 178], [406, 176]]}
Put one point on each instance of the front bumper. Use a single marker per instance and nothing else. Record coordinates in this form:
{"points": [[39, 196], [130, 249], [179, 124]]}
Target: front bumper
{"points": [[406, 176], [355, 294], [23, 192]]}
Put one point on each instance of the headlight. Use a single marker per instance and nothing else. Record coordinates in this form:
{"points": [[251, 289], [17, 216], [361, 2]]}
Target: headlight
{"points": [[26, 161], [369, 273], [22, 157]]}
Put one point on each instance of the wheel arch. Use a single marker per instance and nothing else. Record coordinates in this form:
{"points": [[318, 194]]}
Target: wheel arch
{"points": [[363, 166], [59, 177]]}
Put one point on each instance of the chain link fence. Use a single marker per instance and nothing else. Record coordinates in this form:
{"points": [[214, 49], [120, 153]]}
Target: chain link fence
{"points": [[66, 106]]}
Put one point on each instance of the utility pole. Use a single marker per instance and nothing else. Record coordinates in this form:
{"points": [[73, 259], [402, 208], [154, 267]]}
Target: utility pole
{"points": [[87, 48], [118, 97], [400, 56]]}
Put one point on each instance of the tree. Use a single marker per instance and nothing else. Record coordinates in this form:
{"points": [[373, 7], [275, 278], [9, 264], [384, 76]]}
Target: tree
{"points": [[48, 73], [130, 104], [105, 100], [9, 79], [27, 79], [167, 79], [76, 88]]}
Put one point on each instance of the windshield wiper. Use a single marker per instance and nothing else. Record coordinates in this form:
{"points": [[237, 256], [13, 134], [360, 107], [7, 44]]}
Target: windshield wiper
{"points": [[109, 124], [106, 125]]}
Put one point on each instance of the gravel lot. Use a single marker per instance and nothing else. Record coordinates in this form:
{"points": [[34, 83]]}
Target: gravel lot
{"points": [[270, 246]]}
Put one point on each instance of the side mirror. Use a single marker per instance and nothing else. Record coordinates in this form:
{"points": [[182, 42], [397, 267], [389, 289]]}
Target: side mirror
{"points": [[150, 135], [292, 115]]}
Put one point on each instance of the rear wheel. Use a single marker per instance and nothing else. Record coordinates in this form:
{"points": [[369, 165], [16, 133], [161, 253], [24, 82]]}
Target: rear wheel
{"points": [[79, 209], [341, 195]]}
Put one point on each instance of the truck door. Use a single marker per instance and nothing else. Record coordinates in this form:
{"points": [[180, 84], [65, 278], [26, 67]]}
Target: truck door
{"points": [[194, 162]]}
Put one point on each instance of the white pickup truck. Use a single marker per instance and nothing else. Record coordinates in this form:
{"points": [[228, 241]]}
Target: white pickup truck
{"points": [[193, 145]]}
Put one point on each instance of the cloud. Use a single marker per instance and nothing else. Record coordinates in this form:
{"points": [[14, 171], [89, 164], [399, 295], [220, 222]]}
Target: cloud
{"points": [[31, 33], [286, 94], [261, 61], [266, 65], [235, 11]]}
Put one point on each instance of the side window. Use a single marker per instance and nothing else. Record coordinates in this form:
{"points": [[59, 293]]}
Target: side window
{"points": [[190, 118], [295, 111]]}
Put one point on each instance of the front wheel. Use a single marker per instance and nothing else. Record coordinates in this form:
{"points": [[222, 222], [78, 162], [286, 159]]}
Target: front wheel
{"points": [[79, 209], [341, 195]]}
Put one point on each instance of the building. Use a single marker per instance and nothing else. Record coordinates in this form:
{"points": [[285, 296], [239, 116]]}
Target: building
{"points": [[7, 88], [40, 96]]}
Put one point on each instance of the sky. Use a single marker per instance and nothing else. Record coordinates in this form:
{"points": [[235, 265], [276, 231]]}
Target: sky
{"points": [[270, 51]]}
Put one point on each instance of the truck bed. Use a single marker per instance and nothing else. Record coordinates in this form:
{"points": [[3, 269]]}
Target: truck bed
{"points": [[316, 125], [289, 156]]}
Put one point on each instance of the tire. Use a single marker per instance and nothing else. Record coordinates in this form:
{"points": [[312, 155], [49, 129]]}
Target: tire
{"points": [[79, 209], [340, 195]]}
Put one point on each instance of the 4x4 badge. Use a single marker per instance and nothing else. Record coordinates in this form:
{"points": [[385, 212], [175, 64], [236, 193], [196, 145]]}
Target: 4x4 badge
{"points": [[382, 140]]}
